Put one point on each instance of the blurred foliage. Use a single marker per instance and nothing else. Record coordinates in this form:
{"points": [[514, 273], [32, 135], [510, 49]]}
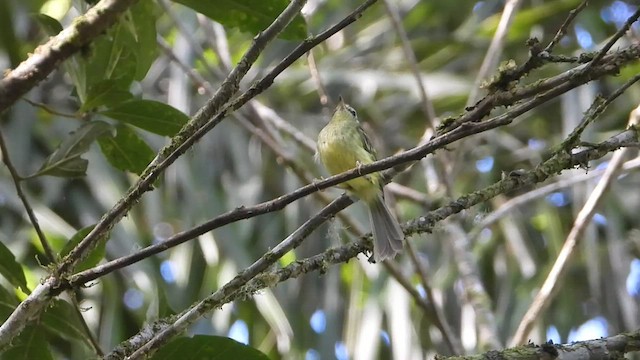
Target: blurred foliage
{"points": [[126, 95]]}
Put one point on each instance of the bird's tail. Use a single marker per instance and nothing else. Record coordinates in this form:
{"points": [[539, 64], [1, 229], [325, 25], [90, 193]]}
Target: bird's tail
{"points": [[387, 234]]}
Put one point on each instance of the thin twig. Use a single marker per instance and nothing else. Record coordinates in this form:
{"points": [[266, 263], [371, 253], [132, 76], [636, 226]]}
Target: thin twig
{"points": [[48, 251], [50, 110], [195, 77], [428, 307], [620, 33], [189, 316], [404, 192], [92, 339], [474, 291], [551, 283], [567, 80], [565, 25], [189, 36], [509, 206], [594, 111], [427, 104], [286, 127], [452, 341], [315, 76]]}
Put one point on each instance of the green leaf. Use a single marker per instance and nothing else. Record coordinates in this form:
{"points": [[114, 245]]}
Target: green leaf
{"points": [[94, 256], [208, 347], [11, 269], [105, 93], [62, 320], [112, 57], [8, 303], [48, 24], [143, 30], [153, 116], [126, 151], [249, 15], [65, 160], [31, 344], [9, 43]]}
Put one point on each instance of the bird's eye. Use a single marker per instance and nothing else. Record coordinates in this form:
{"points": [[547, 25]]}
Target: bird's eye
{"points": [[351, 110]]}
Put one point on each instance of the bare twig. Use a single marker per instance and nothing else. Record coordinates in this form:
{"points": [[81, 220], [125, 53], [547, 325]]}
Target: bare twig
{"points": [[48, 251], [50, 110], [474, 292], [598, 106], [427, 105], [427, 305], [191, 73], [315, 76], [189, 36], [565, 25], [452, 341], [509, 206], [551, 283], [620, 33], [85, 327]]}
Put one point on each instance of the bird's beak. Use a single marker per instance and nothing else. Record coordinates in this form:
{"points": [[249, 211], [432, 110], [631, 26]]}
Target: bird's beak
{"points": [[340, 102]]}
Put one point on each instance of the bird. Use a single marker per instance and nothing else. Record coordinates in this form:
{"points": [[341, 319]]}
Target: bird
{"points": [[343, 145]]}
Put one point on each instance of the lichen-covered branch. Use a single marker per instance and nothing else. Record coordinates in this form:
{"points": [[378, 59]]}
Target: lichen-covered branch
{"points": [[47, 57]]}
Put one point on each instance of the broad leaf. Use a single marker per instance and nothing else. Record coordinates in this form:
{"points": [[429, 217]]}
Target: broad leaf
{"points": [[126, 151], [112, 57], [94, 256], [62, 320], [9, 43], [143, 31], [105, 93], [153, 116], [65, 160], [31, 344], [48, 24], [248, 15], [11, 269], [8, 303], [208, 347]]}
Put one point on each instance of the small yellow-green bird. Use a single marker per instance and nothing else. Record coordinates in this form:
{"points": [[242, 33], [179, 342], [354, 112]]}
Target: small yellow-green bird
{"points": [[343, 145]]}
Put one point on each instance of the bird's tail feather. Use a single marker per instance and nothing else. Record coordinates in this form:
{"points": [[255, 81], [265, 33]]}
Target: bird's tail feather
{"points": [[387, 234]]}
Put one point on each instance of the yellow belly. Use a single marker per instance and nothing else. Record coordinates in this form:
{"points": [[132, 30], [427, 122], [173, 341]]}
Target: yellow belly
{"points": [[340, 151]]}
